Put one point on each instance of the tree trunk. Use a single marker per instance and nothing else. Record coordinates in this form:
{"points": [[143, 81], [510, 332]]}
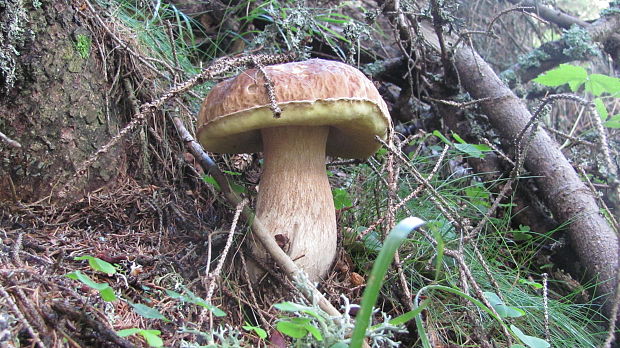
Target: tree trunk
{"points": [[53, 101], [567, 196]]}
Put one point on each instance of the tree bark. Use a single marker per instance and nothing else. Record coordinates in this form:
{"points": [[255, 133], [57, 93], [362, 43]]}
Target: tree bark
{"points": [[567, 196], [52, 102]]}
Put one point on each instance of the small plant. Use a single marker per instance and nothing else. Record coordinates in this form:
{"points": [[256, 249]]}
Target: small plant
{"points": [[501, 309], [151, 336], [109, 295], [83, 44], [595, 84], [262, 334]]}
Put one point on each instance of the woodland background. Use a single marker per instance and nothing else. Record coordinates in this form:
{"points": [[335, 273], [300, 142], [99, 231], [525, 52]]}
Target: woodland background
{"points": [[114, 231]]}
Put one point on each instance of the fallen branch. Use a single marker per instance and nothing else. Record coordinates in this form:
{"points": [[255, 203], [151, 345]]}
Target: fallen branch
{"points": [[568, 198]]}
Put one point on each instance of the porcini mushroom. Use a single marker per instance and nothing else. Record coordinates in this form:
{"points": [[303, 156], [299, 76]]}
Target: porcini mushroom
{"points": [[328, 108]]}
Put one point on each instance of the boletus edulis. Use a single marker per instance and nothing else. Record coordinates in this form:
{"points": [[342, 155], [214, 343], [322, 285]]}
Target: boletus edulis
{"points": [[328, 108]]}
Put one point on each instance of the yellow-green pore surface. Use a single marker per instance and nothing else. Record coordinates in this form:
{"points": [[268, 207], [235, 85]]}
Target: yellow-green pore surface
{"points": [[310, 93]]}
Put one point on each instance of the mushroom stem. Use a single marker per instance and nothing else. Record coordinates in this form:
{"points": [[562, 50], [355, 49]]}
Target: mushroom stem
{"points": [[294, 198]]}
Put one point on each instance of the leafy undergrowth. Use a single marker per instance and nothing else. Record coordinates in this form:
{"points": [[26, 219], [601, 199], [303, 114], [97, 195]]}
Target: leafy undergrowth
{"points": [[133, 264]]}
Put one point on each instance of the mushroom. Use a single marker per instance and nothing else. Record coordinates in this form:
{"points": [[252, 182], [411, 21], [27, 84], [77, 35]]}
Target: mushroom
{"points": [[328, 108]]}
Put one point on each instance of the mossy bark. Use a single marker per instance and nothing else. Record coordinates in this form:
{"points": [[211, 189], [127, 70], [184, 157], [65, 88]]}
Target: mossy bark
{"points": [[55, 105]]}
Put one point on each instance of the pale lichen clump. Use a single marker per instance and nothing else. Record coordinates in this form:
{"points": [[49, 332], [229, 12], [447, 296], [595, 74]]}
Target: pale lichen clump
{"points": [[14, 33], [579, 43]]}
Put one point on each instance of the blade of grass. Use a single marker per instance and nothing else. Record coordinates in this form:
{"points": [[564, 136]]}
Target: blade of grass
{"points": [[394, 239]]}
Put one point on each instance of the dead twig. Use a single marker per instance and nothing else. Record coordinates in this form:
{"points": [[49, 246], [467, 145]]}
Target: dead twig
{"points": [[81, 317], [218, 269], [22, 319], [10, 141]]}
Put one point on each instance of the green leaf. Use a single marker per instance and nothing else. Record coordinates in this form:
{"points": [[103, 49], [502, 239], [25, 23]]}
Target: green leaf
{"points": [[314, 331], [210, 180], [458, 138], [339, 345], [613, 122], [341, 198], [381, 152], [530, 341], [501, 309], [98, 264], [289, 307], [173, 294], [473, 150], [523, 233], [565, 73], [152, 338], [599, 84], [238, 188], [372, 241], [105, 291], [418, 318], [394, 239], [128, 332], [262, 334], [148, 312], [442, 137], [108, 294], [535, 285], [291, 329]]}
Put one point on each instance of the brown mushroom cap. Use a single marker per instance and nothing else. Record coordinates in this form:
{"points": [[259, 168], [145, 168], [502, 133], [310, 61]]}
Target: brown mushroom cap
{"points": [[315, 92]]}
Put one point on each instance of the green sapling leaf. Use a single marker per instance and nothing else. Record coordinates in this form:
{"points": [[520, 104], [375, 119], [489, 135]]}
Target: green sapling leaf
{"points": [[105, 291], [341, 198], [148, 312], [152, 338], [289, 307], [530, 341], [613, 122], [291, 329], [599, 84], [98, 264], [262, 334], [501, 309], [565, 73]]}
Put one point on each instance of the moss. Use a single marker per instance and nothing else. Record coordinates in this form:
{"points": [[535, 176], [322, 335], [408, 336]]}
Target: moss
{"points": [[14, 33], [82, 45], [579, 43]]}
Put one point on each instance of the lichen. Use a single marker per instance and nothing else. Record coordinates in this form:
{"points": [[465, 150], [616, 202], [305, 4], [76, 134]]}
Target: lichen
{"points": [[532, 59], [509, 77], [579, 43], [613, 9], [14, 33]]}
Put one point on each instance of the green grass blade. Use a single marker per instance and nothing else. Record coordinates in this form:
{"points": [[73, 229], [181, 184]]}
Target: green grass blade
{"points": [[394, 239]]}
